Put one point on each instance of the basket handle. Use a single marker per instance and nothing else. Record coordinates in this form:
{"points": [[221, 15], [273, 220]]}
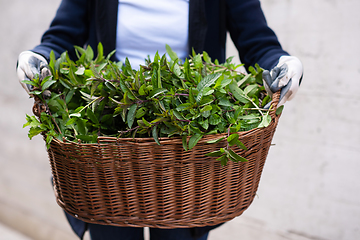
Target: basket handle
{"points": [[274, 104]]}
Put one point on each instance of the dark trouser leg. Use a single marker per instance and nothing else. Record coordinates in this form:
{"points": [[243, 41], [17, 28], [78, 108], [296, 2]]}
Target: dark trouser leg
{"points": [[175, 234], [102, 232]]}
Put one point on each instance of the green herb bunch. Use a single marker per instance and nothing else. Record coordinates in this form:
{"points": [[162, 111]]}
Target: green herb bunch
{"points": [[166, 97]]}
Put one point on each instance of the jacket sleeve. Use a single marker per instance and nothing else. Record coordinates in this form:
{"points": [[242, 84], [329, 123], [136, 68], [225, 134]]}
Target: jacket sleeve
{"points": [[253, 38], [69, 27]]}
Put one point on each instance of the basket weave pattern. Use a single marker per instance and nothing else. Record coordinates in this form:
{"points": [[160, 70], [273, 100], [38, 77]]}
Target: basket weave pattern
{"points": [[135, 182]]}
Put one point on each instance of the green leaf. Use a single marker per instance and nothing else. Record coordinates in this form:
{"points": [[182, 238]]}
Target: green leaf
{"points": [[80, 71], [101, 67], [198, 61], [206, 57], [238, 93], [157, 92], [69, 95], [47, 84], [232, 139], [155, 134], [225, 82], [194, 140], [127, 90], [250, 90], [217, 153], [70, 121], [66, 84], [141, 112], [225, 102], [171, 53], [184, 106], [266, 120], [230, 117], [110, 86], [87, 97], [216, 140], [241, 145], [94, 71], [205, 101], [204, 124], [184, 142], [244, 80], [36, 92], [110, 54], [236, 157], [142, 90], [92, 116], [131, 115], [191, 96], [195, 129], [223, 160], [34, 131], [79, 50], [178, 115], [80, 124], [279, 110], [206, 82], [87, 138], [49, 138], [31, 121], [100, 51], [52, 61], [32, 83], [75, 115], [206, 108], [146, 122], [214, 119], [178, 71], [89, 53], [208, 91]]}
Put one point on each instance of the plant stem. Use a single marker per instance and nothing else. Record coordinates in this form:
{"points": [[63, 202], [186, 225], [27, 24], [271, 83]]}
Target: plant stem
{"points": [[129, 130], [224, 68], [87, 105], [52, 118], [256, 107]]}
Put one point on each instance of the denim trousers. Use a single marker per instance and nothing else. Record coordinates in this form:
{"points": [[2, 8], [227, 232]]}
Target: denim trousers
{"points": [[102, 232]]}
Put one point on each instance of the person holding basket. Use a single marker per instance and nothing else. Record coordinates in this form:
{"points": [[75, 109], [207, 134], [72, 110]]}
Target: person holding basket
{"points": [[135, 28]]}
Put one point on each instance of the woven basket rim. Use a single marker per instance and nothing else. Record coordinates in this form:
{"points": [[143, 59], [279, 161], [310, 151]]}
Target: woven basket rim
{"points": [[162, 140]]}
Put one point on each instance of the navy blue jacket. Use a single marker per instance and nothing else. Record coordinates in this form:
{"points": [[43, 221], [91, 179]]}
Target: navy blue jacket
{"points": [[88, 22], [82, 22]]}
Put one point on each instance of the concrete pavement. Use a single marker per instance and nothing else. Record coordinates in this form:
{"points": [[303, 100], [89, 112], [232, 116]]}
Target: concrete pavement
{"points": [[6, 233]]}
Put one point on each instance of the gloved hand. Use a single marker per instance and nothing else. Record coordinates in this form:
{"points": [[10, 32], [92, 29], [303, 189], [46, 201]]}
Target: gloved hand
{"points": [[287, 76], [30, 64]]}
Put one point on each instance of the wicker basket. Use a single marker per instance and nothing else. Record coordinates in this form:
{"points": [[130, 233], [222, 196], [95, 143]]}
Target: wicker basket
{"points": [[135, 182]]}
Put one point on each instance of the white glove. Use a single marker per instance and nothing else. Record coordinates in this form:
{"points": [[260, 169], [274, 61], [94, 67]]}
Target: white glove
{"points": [[30, 64], [287, 76]]}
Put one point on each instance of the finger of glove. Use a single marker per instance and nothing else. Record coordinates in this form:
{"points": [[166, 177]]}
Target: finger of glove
{"points": [[44, 71], [267, 77], [278, 83], [33, 67], [275, 85], [21, 75], [284, 75], [285, 93], [274, 73]]}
